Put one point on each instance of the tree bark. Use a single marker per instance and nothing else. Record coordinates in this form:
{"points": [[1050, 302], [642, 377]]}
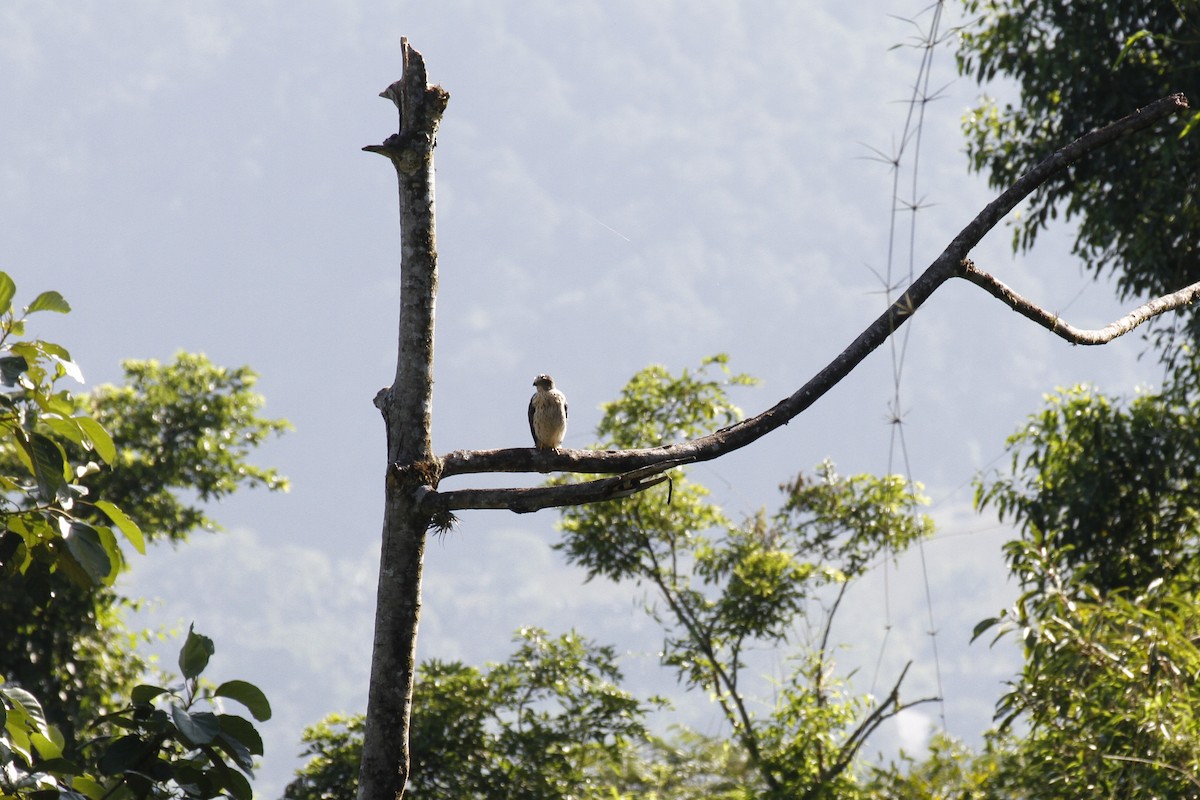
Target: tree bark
{"points": [[406, 407], [413, 473]]}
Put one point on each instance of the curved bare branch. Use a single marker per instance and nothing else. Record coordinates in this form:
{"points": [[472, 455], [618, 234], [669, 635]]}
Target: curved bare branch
{"points": [[952, 263], [1056, 325]]}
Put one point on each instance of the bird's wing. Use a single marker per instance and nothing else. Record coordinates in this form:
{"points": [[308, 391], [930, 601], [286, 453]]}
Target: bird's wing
{"points": [[532, 432]]}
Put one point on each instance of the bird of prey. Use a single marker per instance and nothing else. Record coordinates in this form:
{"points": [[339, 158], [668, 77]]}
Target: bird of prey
{"points": [[547, 414]]}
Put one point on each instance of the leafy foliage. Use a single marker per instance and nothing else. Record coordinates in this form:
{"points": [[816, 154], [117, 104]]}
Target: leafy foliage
{"points": [[1104, 494], [47, 512], [724, 589], [165, 743], [1113, 491], [183, 432], [1079, 66], [949, 770], [76, 470], [1108, 688], [542, 724]]}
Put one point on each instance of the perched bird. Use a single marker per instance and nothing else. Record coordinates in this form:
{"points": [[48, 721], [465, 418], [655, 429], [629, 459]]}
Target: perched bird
{"points": [[547, 414]]}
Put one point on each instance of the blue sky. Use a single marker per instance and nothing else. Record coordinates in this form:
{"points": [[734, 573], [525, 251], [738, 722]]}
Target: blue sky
{"points": [[619, 183]]}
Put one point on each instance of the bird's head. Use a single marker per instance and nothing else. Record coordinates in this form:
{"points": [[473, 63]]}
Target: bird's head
{"points": [[544, 383]]}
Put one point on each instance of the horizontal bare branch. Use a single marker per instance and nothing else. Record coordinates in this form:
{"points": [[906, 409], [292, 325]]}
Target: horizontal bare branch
{"points": [[1059, 327], [950, 264], [525, 500]]}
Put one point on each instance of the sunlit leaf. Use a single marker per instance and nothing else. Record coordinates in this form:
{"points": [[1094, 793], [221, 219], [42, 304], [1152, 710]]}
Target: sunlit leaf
{"points": [[99, 439], [48, 301], [127, 526], [7, 289]]}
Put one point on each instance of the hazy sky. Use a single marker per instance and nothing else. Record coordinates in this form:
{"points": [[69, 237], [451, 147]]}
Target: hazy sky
{"points": [[619, 183]]}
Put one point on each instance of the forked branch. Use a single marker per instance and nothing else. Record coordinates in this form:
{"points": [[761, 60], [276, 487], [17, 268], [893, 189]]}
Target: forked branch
{"points": [[952, 263]]}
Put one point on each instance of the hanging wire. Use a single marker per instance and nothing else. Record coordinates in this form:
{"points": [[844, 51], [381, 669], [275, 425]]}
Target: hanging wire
{"points": [[910, 141]]}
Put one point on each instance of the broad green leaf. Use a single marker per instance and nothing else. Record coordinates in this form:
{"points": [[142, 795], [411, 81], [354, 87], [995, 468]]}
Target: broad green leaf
{"points": [[99, 439], [86, 550], [236, 784], [248, 695], [67, 428], [7, 289], [49, 465], [194, 655], [48, 301], [61, 404], [27, 705], [45, 746], [14, 553], [127, 526], [197, 729], [144, 693], [18, 741], [243, 731], [235, 750], [88, 787]]}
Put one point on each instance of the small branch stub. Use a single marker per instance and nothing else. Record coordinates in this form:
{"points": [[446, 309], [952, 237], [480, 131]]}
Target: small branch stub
{"points": [[421, 107]]}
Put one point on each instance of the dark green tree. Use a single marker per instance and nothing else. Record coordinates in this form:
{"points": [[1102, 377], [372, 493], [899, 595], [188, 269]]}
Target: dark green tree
{"points": [[1111, 487], [73, 722], [162, 742], [1101, 491], [182, 434], [547, 723], [1079, 66]]}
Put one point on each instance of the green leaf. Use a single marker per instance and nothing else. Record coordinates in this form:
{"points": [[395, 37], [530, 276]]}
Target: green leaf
{"points": [[983, 626], [236, 784], [144, 694], [197, 729], [18, 742], [88, 787], [248, 695], [46, 747], [243, 730], [127, 526], [7, 289], [235, 750], [86, 549], [26, 703], [99, 439], [13, 553], [194, 655], [48, 301], [49, 465]]}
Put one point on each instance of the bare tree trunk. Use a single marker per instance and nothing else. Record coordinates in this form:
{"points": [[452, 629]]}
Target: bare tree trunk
{"points": [[406, 408]]}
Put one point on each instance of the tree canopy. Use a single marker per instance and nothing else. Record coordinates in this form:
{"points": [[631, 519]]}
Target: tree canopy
{"points": [[1078, 66], [76, 471]]}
